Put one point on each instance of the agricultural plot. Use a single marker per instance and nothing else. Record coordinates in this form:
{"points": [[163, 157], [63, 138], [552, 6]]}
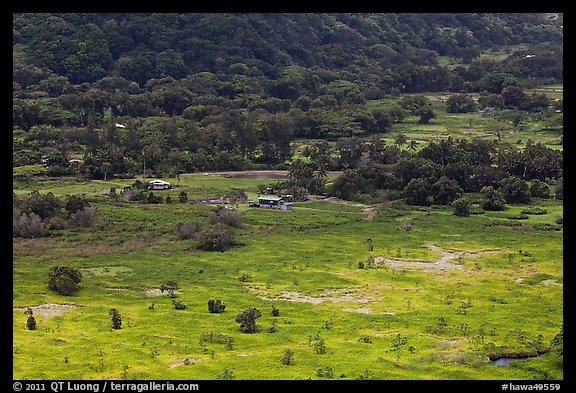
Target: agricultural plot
{"points": [[345, 291]]}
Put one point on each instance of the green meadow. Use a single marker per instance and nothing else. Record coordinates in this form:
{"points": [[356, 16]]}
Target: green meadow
{"points": [[398, 310]]}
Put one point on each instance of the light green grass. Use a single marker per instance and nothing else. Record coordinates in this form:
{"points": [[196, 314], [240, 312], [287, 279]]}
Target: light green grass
{"points": [[294, 258]]}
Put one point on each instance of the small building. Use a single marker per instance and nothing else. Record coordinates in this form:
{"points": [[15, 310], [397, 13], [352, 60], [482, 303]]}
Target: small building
{"points": [[159, 185], [271, 202]]}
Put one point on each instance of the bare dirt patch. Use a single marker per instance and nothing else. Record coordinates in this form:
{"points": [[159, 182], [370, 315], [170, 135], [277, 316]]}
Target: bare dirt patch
{"points": [[155, 292], [48, 310], [264, 174], [443, 262], [326, 294]]}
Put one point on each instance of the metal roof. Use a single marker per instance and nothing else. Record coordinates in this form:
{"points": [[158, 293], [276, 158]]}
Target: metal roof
{"points": [[269, 198]]}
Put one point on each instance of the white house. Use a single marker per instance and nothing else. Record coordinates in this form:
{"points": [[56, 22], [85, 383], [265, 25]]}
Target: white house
{"points": [[159, 184]]}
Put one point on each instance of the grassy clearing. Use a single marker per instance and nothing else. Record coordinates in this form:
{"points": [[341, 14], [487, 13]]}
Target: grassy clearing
{"points": [[380, 322]]}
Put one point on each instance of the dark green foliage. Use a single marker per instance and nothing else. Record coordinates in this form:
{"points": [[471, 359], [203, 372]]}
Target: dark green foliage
{"points": [[30, 321], [215, 306], [217, 237], [170, 287], [539, 189], [319, 345], [445, 191], [247, 319], [226, 375], [190, 112], [418, 192], [178, 305], [460, 103], [116, 319], [515, 190], [494, 199], [288, 357], [64, 279], [461, 207], [74, 203]]}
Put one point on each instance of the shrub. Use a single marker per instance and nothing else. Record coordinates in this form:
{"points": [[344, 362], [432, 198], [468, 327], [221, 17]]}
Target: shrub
{"points": [[461, 207], [64, 279], [31, 321], [217, 237], [515, 190], [169, 286], [227, 216], [116, 319], [247, 319], [539, 189], [226, 375], [178, 305], [215, 306], [28, 225], [288, 357], [187, 230], [494, 199], [83, 218]]}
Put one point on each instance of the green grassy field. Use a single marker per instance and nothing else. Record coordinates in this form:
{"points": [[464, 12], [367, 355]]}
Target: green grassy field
{"points": [[383, 321]]}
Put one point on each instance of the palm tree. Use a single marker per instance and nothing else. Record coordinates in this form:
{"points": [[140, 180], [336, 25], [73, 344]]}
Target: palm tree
{"points": [[400, 139]]}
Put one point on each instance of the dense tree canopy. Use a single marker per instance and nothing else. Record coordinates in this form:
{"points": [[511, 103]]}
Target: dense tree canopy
{"points": [[103, 95]]}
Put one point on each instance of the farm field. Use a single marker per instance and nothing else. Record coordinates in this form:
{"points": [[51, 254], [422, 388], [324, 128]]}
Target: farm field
{"points": [[433, 298]]}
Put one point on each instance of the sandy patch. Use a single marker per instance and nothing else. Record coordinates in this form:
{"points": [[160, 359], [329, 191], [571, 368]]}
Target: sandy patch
{"points": [[327, 294], [155, 292], [443, 262], [49, 309]]}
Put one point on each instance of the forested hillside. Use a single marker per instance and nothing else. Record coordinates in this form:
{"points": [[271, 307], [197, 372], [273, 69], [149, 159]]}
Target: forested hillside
{"points": [[189, 92]]}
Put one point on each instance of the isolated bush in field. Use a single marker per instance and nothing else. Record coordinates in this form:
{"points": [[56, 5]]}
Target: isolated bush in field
{"points": [[178, 305], [31, 321], [226, 375], [319, 345], [245, 277], [183, 197], [215, 306], [116, 319], [64, 279], [326, 372], [247, 319], [217, 237], [288, 357], [169, 286]]}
